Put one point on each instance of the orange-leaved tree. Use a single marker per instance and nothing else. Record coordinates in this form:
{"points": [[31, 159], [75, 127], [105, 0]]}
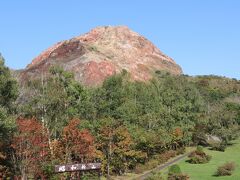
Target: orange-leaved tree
{"points": [[177, 136], [117, 145], [75, 145], [30, 144]]}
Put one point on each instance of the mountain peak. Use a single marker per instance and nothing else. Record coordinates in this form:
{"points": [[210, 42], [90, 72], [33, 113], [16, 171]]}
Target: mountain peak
{"points": [[102, 52]]}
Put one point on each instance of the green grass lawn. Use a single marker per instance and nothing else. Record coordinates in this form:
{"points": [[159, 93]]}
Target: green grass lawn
{"points": [[206, 171]]}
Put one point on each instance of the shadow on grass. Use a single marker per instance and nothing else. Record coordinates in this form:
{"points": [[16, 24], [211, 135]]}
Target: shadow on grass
{"points": [[223, 148], [213, 149], [193, 163], [215, 175], [231, 143]]}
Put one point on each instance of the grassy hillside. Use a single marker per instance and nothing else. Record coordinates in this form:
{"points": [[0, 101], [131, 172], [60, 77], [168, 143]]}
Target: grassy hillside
{"points": [[206, 171]]}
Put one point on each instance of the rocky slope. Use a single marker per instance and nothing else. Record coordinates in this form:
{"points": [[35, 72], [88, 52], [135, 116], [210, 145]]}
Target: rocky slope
{"points": [[100, 53]]}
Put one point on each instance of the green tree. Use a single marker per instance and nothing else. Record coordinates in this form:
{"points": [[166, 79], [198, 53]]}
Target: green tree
{"points": [[8, 87], [8, 95], [56, 99]]}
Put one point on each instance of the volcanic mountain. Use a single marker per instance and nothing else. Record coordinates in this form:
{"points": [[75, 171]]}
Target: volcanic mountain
{"points": [[100, 53]]}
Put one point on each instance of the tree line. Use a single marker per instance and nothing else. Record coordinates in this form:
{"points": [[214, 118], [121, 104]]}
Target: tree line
{"points": [[122, 124]]}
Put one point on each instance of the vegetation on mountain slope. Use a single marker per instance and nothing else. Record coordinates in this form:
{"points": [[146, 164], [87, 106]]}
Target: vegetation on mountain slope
{"points": [[123, 123]]}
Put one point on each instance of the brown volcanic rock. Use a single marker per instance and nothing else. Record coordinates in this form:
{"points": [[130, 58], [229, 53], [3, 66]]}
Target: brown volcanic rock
{"points": [[103, 52]]}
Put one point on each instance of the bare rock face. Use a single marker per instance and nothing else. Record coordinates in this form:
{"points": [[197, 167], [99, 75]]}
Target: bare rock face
{"points": [[102, 52]]}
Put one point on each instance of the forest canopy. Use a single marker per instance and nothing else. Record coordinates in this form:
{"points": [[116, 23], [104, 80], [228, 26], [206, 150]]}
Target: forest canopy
{"points": [[121, 123]]}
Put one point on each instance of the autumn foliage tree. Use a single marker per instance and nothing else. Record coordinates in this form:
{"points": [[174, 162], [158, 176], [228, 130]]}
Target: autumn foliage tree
{"points": [[124, 156], [117, 146], [30, 144], [75, 145], [177, 136]]}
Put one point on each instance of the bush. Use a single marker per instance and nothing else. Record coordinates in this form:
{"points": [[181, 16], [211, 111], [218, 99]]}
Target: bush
{"points": [[174, 173], [174, 169], [157, 159], [147, 166], [218, 147], [199, 156], [155, 176], [93, 48], [178, 177], [199, 149], [226, 169], [164, 157], [181, 150]]}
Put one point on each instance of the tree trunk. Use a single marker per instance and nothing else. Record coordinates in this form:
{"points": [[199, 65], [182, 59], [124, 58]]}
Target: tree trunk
{"points": [[23, 174], [109, 158]]}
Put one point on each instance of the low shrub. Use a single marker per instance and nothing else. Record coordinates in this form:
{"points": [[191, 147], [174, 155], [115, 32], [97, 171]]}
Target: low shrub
{"points": [[199, 156], [218, 147], [169, 154], [178, 177], [155, 176], [199, 149], [174, 173], [174, 169], [147, 166], [226, 169], [164, 157], [157, 159], [93, 48], [181, 150]]}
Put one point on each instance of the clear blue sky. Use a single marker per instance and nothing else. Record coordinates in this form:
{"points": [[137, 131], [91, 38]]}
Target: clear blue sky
{"points": [[203, 36]]}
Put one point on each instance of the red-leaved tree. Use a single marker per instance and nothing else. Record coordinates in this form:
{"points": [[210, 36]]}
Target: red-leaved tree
{"points": [[75, 145], [30, 144]]}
